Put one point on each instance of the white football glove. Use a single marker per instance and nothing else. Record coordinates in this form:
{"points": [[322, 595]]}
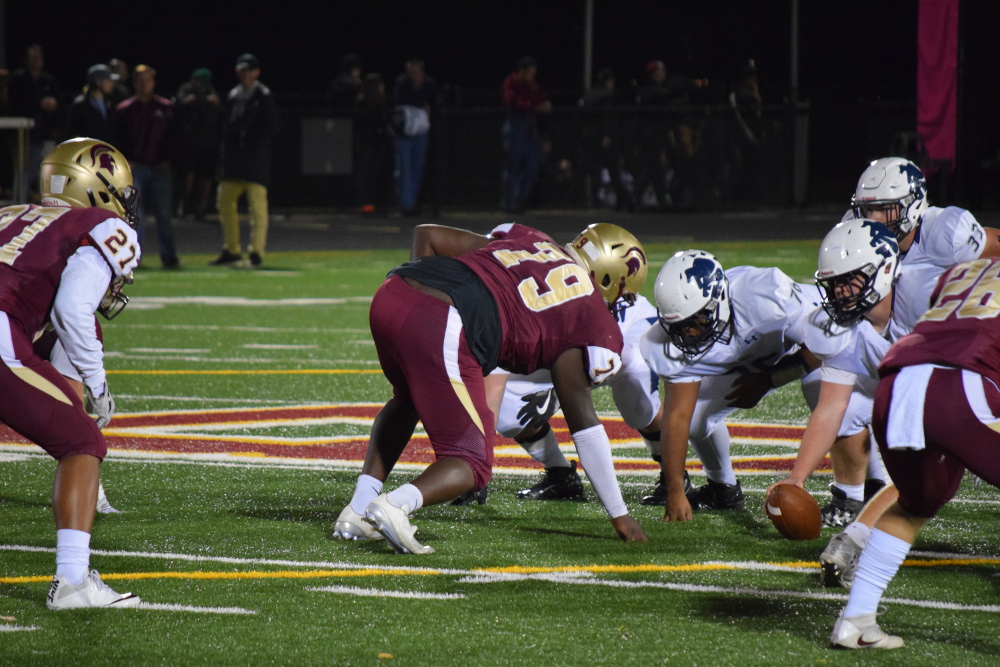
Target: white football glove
{"points": [[103, 405]]}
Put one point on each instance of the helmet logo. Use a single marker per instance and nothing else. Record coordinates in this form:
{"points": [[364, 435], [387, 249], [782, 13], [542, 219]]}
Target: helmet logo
{"points": [[882, 239], [102, 156], [633, 263], [707, 275], [914, 177]]}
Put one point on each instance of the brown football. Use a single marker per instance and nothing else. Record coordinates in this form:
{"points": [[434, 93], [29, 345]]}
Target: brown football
{"points": [[794, 512]]}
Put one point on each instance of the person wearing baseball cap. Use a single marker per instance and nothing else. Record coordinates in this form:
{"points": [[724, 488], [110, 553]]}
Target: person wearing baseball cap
{"points": [[92, 113], [250, 126]]}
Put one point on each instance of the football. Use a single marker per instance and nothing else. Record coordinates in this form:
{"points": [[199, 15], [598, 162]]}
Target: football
{"points": [[794, 512]]}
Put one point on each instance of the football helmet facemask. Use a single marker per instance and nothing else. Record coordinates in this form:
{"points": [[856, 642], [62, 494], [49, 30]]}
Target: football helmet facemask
{"points": [[114, 300], [89, 173], [858, 266], [615, 260], [692, 296], [897, 187]]}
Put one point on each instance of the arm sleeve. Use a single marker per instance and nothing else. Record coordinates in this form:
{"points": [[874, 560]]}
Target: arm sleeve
{"points": [[594, 448], [84, 281]]}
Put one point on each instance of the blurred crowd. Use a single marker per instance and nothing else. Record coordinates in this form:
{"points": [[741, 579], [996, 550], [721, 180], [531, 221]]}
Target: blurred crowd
{"points": [[635, 141]]}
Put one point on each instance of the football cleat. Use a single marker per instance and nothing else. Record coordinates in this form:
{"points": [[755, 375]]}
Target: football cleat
{"points": [[556, 484], [352, 526], [659, 494], [862, 632], [226, 258], [470, 497], [839, 561], [394, 525], [841, 510], [91, 593], [717, 496], [103, 505]]}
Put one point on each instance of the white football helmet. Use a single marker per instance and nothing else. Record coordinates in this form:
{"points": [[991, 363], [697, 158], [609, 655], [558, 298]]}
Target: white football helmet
{"points": [[858, 266], [896, 186], [692, 295], [615, 260]]}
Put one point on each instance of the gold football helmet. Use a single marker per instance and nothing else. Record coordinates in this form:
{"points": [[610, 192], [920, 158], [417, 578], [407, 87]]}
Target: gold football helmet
{"points": [[615, 259], [86, 172]]}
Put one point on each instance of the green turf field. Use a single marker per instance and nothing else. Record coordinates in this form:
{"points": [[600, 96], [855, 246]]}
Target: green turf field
{"points": [[245, 398]]}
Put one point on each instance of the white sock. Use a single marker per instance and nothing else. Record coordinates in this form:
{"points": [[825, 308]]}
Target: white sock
{"points": [[878, 565], [859, 533], [366, 490], [546, 451], [406, 495], [853, 492], [72, 555], [713, 451], [875, 468]]}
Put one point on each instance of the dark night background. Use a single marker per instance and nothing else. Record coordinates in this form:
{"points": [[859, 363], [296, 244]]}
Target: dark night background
{"points": [[857, 58]]}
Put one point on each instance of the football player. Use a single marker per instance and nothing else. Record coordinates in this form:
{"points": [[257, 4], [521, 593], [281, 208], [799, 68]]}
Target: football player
{"points": [[893, 191], [725, 339], [936, 411], [465, 305], [617, 264], [60, 263]]}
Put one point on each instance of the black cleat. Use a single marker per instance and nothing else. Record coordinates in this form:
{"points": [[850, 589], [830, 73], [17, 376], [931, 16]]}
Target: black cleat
{"points": [[470, 497], [717, 496], [556, 484], [659, 494], [873, 486], [226, 258], [841, 510]]}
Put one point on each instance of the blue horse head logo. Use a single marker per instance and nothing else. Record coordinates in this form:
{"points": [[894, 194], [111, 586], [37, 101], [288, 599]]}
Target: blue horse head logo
{"points": [[707, 275], [882, 240], [915, 178]]}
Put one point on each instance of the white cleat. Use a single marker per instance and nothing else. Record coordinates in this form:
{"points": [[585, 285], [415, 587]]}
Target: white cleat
{"points": [[862, 632], [352, 526], [839, 561], [91, 593], [103, 505], [394, 525]]}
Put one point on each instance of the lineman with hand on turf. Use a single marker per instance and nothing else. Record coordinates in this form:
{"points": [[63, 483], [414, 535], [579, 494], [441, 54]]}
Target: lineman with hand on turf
{"points": [[936, 410], [617, 264], [893, 191], [724, 340], [466, 304], [59, 263]]}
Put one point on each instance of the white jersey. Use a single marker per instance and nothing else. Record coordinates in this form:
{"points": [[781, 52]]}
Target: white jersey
{"points": [[850, 355], [946, 236], [768, 324]]}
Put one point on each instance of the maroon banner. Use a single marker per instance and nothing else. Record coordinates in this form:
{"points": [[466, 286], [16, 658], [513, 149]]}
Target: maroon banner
{"points": [[937, 77]]}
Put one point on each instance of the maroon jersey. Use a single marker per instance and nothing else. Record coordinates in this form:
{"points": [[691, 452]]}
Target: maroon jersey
{"points": [[548, 304], [962, 327], [35, 244]]}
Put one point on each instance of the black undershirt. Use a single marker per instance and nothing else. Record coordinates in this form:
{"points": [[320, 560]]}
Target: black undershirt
{"points": [[473, 301]]}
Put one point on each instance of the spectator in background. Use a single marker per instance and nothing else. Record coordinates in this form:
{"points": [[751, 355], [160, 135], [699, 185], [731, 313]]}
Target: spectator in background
{"points": [[250, 125], [603, 145], [374, 146], [33, 94], [650, 156], [750, 135], [415, 97], [345, 89], [199, 112], [91, 114], [148, 140], [122, 91], [525, 99]]}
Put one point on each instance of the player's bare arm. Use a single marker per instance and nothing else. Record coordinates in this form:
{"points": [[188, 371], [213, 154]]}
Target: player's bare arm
{"points": [[572, 385], [821, 432], [442, 240], [680, 399]]}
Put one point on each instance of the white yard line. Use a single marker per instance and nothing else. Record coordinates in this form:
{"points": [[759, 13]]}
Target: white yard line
{"points": [[163, 606], [17, 628], [377, 593]]}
